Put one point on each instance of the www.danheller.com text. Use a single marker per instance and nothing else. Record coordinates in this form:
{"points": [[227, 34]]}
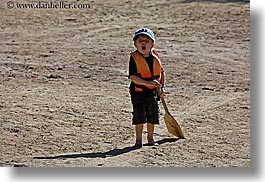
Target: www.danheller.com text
{"points": [[46, 5]]}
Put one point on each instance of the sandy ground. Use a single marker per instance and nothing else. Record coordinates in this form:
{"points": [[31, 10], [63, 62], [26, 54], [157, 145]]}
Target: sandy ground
{"points": [[64, 97]]}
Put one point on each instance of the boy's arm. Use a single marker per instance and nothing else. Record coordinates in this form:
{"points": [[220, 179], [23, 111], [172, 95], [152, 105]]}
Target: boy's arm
{"points": [[162, 82], [139, 81]]}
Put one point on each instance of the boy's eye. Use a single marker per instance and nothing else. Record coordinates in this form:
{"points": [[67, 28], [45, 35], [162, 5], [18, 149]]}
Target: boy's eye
{"points": [[142, 41]]}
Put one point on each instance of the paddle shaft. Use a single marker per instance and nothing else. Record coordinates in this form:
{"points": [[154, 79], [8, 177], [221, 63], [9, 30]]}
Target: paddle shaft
{"points": [[162, 99], [164, 105]]}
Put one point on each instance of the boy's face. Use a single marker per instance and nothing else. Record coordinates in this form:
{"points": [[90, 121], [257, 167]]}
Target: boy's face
{"points": [[144, 44]]}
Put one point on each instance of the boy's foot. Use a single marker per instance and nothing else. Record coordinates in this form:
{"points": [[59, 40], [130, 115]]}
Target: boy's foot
{"points": [[138, 144], [151, 143]]}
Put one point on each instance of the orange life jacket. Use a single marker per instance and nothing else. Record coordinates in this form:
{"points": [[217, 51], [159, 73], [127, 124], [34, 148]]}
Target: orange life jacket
{"points": [[143, 70]]}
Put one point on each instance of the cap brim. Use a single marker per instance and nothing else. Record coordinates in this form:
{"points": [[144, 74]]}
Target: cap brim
{"points": [[143, 33]]}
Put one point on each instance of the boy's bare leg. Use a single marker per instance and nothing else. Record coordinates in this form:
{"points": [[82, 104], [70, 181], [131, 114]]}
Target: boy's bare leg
{"points": [[150, 131], [138, 132]]}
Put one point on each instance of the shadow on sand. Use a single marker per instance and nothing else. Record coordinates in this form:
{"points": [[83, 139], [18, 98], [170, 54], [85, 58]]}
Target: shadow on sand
{"points": [[110, 153]]}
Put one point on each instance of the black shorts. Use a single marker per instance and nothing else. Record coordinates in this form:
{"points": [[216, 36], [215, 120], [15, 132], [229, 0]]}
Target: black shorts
{"points": [[145, 109]]}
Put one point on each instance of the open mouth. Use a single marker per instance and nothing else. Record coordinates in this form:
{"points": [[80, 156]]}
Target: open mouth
{"points": [[143, 47]]}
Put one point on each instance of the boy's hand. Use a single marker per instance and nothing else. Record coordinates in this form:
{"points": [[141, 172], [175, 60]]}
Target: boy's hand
{"points": [[161, 91], [162, 94], [155, 83]]}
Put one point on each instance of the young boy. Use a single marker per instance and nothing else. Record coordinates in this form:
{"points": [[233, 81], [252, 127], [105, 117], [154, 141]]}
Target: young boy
{"points": [[145, 73]]}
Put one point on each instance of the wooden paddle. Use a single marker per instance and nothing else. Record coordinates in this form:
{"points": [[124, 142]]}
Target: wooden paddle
{"points": [[171, 124]]}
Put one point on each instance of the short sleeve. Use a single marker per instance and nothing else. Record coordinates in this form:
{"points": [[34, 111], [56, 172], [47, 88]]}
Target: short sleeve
{"points": [[132, 67]]}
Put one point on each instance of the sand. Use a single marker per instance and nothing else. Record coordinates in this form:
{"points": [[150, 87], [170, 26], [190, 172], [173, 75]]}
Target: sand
{"points": [[64, 97]]}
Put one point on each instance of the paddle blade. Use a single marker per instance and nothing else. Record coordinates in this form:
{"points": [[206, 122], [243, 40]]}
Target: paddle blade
{"points": [[173, 126]]}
